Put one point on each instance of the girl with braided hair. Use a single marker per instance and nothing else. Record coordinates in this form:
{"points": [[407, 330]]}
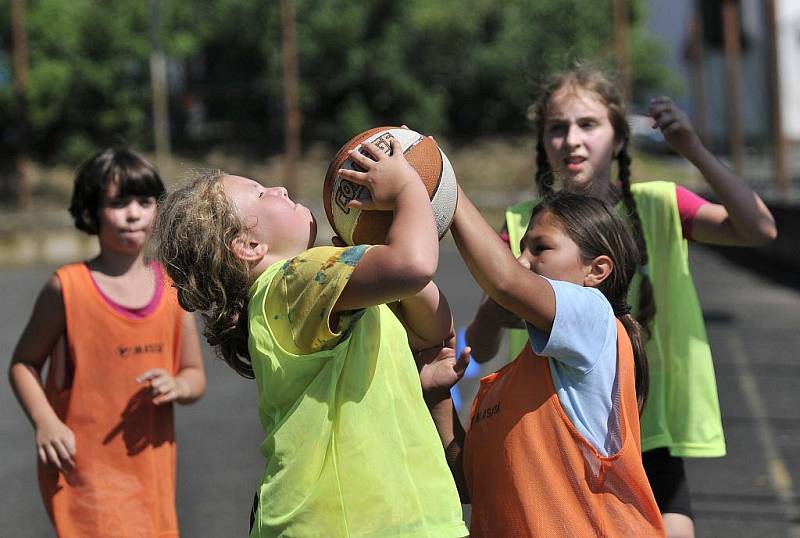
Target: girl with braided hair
{"points": [[581, 132]]}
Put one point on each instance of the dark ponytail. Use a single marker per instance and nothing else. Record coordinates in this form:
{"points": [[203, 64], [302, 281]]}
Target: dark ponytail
{"points": [[642, 369]]}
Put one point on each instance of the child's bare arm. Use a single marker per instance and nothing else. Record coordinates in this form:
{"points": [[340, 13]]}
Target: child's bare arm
{"points": [[55, 442], [191, 369], [502, 277], [439, 370], [742, 219], [425, 315], [408, 260], [427, 318], [485, 331], [189, 384]]}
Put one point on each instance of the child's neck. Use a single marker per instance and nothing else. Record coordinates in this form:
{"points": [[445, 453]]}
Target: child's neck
{"points": [[116, 264], [125, 279]]}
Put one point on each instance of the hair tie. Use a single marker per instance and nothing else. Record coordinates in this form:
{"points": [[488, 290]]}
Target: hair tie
{"points": [[623, 311], [645, 269]]}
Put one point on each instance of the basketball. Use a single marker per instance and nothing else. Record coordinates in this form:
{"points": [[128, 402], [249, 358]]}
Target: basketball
{"points": [[357, 227]]}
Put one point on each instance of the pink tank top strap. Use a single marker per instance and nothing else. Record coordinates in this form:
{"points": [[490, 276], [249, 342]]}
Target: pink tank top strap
{"points": [[144, 311]]}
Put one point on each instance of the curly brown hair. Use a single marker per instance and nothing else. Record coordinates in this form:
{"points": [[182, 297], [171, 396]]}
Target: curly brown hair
{"points": [[192, 237], [602, 86]]}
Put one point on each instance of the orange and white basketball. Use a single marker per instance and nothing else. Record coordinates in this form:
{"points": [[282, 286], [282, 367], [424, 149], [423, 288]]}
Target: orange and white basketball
{"points": [[356, 226]]}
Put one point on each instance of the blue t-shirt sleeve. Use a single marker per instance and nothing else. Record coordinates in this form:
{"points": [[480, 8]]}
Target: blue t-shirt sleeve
{"points": [[581, 349], [583, 324]]}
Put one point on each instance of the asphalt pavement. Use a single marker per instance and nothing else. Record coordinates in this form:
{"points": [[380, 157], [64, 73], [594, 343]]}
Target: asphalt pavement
{"points": [[753, 323]]}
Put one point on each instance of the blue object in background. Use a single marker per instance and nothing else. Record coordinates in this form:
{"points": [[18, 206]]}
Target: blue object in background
{"points": [[473, 370]]}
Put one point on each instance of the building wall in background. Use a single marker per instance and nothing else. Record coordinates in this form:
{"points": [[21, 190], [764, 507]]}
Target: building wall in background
{"points": [[789, 60], [669, 19]]}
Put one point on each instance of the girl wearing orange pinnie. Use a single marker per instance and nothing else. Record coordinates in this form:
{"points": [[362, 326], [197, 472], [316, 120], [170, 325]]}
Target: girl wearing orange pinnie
{"points": [[120, 351]]}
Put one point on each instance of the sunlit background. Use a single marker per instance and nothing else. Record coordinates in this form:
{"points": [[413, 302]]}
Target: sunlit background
{"points": [[270, 90]]}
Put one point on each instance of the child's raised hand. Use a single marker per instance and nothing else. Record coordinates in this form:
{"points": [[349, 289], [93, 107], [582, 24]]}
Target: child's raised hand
{"points": [[384, 175], [675, 126], [439, 369], [165, 387], [55, 444]]}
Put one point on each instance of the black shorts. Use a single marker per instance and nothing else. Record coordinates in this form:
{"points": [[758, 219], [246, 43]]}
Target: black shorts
{"points": [[253, 511], [667, 477]]}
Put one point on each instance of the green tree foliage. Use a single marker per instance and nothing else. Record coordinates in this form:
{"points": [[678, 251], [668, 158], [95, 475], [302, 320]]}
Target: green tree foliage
{"points": [[88, 72], [461, 68]]}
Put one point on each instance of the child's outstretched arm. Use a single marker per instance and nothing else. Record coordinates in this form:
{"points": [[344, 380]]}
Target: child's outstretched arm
{"points": [[502, 277], [408, 260], [55, 442], [439, 370], [189, 383], [486, 329], [742, 218]]}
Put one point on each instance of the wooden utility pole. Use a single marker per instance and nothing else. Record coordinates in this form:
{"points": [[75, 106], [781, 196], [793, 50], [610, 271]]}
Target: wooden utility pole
{"points": [[292, 115], [159, 87], [776, 108], [621, 47], [730, 28], [20, 44], [695, 53]]}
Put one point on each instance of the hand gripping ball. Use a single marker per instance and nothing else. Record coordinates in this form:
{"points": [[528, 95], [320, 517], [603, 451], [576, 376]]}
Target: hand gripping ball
{"points": [[357, 226]]}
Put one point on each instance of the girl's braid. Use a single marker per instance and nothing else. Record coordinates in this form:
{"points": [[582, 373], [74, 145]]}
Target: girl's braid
{"points": [[647, 305], [544, 174]]}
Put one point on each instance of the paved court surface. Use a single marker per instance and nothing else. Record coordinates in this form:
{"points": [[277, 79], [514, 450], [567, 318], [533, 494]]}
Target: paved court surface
{"points": [[753, 323]]}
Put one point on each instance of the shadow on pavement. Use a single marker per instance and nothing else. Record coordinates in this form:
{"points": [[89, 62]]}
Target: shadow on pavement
{"points": [[779, 272]]}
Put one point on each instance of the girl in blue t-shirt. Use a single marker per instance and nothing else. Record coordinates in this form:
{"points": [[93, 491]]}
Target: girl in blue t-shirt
{"points": [[582, 146], [570, 287]]}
